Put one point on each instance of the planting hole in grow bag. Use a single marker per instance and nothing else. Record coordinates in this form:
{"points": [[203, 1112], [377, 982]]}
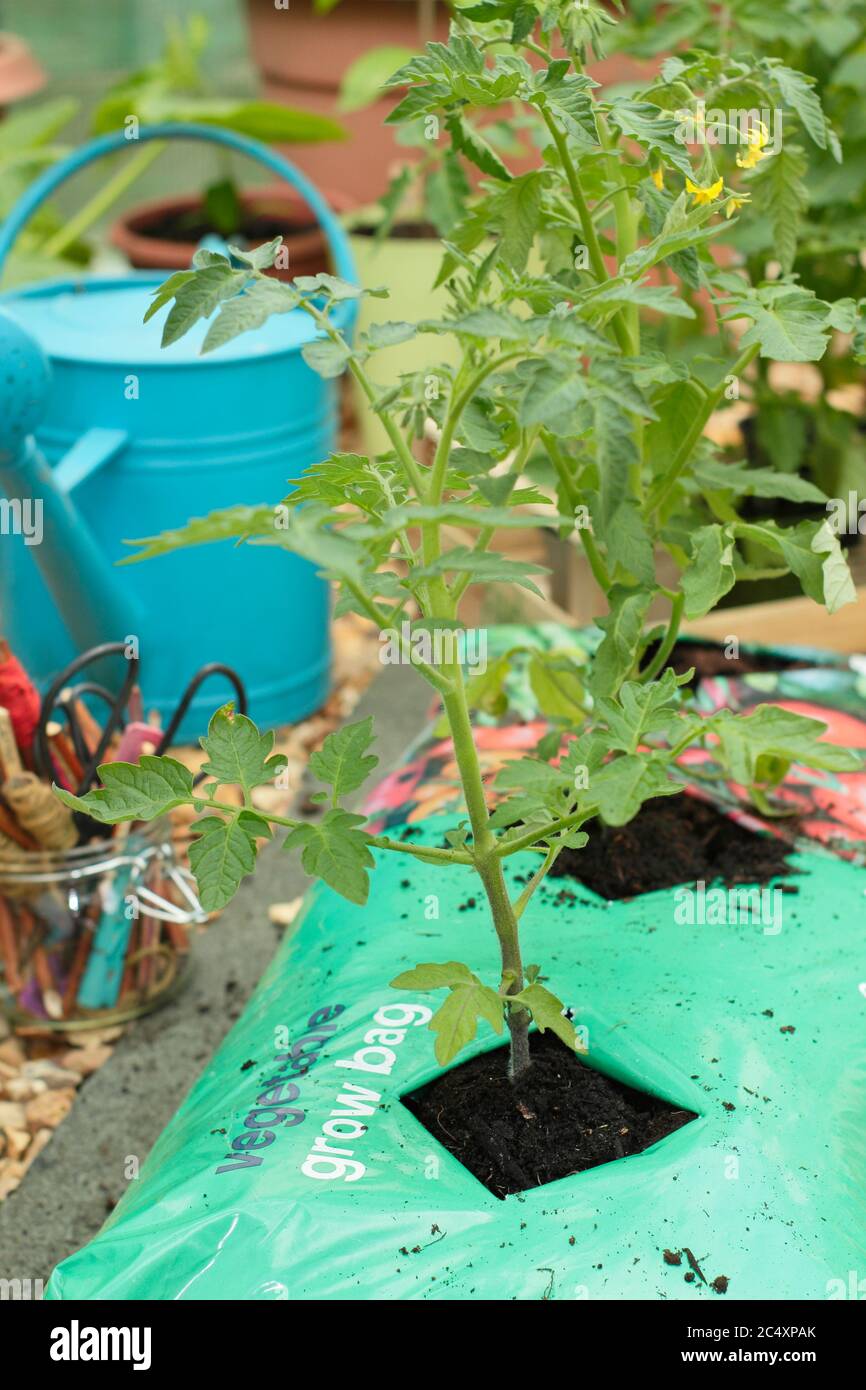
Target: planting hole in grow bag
{"points": [[709, 660], [562, 1119], [671, 841]]}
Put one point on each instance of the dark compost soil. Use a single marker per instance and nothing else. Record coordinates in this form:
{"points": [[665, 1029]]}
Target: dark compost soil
{"points": [[563, 1119], [255, 227], [672, 840], [709, 660]]}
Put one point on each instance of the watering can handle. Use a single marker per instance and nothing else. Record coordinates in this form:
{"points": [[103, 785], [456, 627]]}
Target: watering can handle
{"points": [[187, 130]]}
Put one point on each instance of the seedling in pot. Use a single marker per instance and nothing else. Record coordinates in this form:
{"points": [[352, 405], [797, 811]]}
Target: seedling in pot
{"points": [[550, 364]]}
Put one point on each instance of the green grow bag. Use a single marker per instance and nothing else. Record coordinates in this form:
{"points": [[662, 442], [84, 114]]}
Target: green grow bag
{"points": [[293, 1170]]}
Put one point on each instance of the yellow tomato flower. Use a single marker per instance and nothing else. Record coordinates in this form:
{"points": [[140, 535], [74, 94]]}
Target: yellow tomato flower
{"points": [[658, 178], [734, 204], [755, 151], [702, 196]]}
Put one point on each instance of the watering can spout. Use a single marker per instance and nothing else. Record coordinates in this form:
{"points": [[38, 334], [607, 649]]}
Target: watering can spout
{"points": [[82, 582]]}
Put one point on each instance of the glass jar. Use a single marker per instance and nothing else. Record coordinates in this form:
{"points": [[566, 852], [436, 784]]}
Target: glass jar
{"points": [[95, 935]]}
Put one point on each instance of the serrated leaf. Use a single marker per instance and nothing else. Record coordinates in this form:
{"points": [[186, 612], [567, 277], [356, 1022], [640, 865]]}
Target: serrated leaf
{"points": [[237, 754], [761, 746], [798, 91], [433, 976], [653, 128], [485, 566], [788, 322], [558, 686], [455, 1022], [622, 628], [134, 791], [779, 186], [714, 476], [326, 357], [198, 297], [710, 573], [547, 1012], [390, 334], [641, 708], [619, 789], [221, 857], [343, 761], [476, 149], [336, 851], [249, 310]]}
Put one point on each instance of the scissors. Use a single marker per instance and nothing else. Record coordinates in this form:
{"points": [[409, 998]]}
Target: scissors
{"points": [[62, 697]]}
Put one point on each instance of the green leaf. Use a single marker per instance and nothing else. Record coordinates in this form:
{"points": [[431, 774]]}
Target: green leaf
{"points": [[237, 754], [568, 96], [343, 761], [476, 149], [259, 257], [653, 128], [788, 322], [760, 747], [547, 1012], [622, 628], [336, 851], [390, 334], [485, 566], [431, 976], [221, 857], [619, 789], [515, 212], [779, 186], [710, 573], [641, 708], [455, 1022], [198, 297], [364, 80], [813, 553], [233, 523], [798, 91], [711, 475], [558, 686], [327, 358], [248, 310], [134, 791], [553, 395]]}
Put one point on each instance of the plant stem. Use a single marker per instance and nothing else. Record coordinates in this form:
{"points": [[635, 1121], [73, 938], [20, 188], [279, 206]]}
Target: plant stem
{"points": [[489, 867], [587, 225], [668, 641], [100, 203]]}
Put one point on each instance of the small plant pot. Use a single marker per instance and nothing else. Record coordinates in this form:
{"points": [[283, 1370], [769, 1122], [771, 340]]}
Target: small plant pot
{"points": [[20, 74], [95, 935], [163, 234], [303, 1127], [302, 56]]}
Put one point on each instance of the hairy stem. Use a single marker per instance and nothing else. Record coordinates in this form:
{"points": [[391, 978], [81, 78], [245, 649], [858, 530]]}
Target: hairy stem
{"points": [[489, 866]]}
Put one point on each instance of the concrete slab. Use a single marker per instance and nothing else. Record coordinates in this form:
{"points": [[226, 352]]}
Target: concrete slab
{"points": [[121, 1110]]}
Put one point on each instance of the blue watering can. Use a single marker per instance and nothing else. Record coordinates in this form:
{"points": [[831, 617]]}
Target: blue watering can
{"points": [[115, 437]]}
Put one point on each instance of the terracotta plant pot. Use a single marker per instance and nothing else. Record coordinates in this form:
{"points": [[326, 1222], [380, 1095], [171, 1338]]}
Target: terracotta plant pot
{"points": [[20, 74], [302, 57], [139, 236]]}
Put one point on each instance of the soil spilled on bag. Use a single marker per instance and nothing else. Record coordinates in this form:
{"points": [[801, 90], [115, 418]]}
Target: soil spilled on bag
{"points": [[563, 1118], [673, 840]]}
